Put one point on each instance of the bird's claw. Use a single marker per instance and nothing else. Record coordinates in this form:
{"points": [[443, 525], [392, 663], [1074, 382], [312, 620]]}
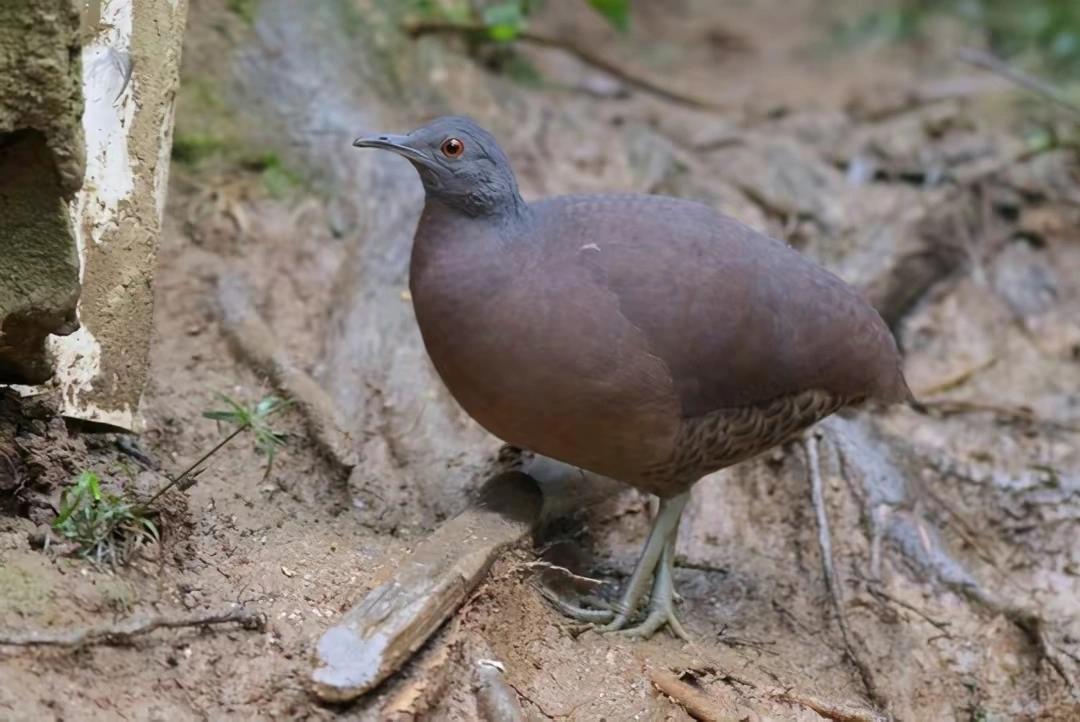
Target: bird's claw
{"points": [[660, 613]]}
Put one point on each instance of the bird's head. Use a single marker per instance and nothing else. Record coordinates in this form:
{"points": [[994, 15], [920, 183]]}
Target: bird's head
{"points": [[459, 163]]}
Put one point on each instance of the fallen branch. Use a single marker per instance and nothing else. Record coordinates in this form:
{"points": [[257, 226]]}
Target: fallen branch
{"points": [[997, 66], [956, 380], [430, 27], [125, 632], [817, 492]]}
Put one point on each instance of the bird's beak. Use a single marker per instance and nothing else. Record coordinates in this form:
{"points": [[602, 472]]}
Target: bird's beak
{"points": [[395, 144]]}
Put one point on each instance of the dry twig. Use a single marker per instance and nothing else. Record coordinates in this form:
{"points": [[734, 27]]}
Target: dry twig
{"points": [[997, 66], [548, 566], [1007, 414], [1034, 626], [955, 380], [430, 27], [884, 596], [125, 632], [496, 698], [410, 602]]}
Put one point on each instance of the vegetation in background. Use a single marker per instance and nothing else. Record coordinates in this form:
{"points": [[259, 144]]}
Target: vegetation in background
{"points": [[505, 20], [199, 150], [278, 179], [194, 148], [105, 528], [209, 139], [1045, 31], [244, 8]]}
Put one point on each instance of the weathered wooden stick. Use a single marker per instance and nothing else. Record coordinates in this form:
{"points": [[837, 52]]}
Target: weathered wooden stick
{"points": [[379, 635]]}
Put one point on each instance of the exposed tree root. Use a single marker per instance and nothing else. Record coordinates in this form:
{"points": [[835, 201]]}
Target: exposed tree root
{"points": [[817, 491], [699, 705], [922, 548], [696, 703], [255, 343]]}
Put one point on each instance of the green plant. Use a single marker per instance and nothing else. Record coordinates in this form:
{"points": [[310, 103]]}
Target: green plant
{"points": [[617, 12], [1047, 31], [255, 418], [193, 148], [504, 21], [244, 8], [105, 527], [278, 179]]}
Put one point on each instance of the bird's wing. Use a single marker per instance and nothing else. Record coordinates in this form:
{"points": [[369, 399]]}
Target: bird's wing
{"points": [[737, 318]]}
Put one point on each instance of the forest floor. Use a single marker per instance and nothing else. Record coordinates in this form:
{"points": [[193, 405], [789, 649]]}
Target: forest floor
{"points": [[923, 179]]}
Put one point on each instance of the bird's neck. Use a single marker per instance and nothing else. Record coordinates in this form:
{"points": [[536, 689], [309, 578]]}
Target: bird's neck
{"points": [[444, 223]]}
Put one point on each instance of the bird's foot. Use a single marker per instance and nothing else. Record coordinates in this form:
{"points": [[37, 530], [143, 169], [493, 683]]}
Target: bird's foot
{"points": [[661, 603], [657, 562], [659, 614]]}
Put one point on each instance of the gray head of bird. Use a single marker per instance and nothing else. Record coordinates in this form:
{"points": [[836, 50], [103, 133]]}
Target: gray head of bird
{"points": [[460, 164]]}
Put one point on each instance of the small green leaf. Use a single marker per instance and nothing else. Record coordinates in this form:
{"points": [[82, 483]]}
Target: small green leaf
{"points": [[237, 414], [617, 12], [220, 415], [151, 528], [90, 480], [267, 406], [504, 21]]}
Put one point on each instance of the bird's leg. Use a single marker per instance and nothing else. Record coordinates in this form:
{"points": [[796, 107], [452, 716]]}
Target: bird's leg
{"points": [[662, 599], [653, 564]]}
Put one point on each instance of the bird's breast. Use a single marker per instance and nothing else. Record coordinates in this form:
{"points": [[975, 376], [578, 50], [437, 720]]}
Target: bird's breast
{"points": [[541, 357]]}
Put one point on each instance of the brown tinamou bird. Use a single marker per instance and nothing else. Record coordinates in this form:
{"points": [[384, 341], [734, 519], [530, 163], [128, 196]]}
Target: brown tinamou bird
{"points": [[648, 339]]}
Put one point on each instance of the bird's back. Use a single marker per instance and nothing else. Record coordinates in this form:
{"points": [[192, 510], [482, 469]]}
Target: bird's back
{"points": [[737, 317]]}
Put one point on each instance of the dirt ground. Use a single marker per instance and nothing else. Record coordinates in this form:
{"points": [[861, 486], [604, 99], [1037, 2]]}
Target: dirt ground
{"points": [[954, 527]]}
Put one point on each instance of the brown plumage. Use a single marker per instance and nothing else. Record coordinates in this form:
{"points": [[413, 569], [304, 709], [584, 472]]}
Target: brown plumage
{"points": [[645, 338]]}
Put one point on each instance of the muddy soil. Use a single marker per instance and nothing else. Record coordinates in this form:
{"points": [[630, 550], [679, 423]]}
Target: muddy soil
{"points": [[954, 527]]}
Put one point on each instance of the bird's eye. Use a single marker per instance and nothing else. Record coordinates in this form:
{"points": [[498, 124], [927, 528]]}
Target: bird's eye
{"points": [[453, 148]]}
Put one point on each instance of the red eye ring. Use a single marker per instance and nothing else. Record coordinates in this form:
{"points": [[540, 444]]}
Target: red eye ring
{"points": [[452, 148]]}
